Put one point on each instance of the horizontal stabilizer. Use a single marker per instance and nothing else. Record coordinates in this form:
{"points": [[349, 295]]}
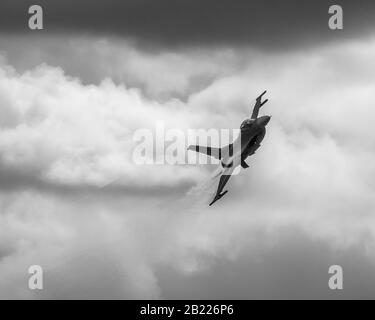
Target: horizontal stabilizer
{"points": [[264, 102], [258, 105]]}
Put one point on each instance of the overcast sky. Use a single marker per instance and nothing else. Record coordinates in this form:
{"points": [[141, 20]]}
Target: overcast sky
{"points": [[258, 23], [73, 201]]}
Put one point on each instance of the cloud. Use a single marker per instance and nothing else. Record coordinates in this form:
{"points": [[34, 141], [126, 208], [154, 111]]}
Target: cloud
{"points": [[282, 270], [68, 133], [309, 188], [169, 23], [161, 75]]}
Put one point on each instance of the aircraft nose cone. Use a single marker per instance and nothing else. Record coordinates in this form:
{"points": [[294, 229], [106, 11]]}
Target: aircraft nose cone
{"points": [[263, 121]]}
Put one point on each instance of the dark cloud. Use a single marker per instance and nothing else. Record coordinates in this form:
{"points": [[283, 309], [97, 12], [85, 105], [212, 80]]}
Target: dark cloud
{"points": [[275, 24], [316, 182], [296, 267]]}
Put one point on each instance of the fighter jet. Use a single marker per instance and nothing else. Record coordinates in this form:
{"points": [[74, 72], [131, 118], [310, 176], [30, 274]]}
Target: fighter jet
{"points": [[252, 132]]}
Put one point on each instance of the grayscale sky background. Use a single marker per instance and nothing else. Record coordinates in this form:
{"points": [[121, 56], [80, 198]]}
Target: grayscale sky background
{"points": [[73, 201]]}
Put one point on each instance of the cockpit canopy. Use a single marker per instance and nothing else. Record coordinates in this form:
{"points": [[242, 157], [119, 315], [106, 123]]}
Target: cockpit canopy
{"points": [[247, 123]]}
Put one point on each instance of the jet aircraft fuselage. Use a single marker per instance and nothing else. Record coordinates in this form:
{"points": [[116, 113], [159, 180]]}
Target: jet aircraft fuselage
{"points": [[252, 132]]}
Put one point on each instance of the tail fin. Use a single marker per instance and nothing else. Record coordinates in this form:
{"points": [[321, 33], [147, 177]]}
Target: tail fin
{"points": [[258, 105], [210, 151]]}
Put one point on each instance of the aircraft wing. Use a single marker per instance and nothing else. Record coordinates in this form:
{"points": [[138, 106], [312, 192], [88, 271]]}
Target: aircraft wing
{"points": [[222, 182], [210, 151]]}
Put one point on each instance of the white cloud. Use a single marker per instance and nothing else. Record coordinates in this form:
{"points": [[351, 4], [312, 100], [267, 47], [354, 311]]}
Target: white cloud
{"points": [[314, 171], [75, 134]]}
